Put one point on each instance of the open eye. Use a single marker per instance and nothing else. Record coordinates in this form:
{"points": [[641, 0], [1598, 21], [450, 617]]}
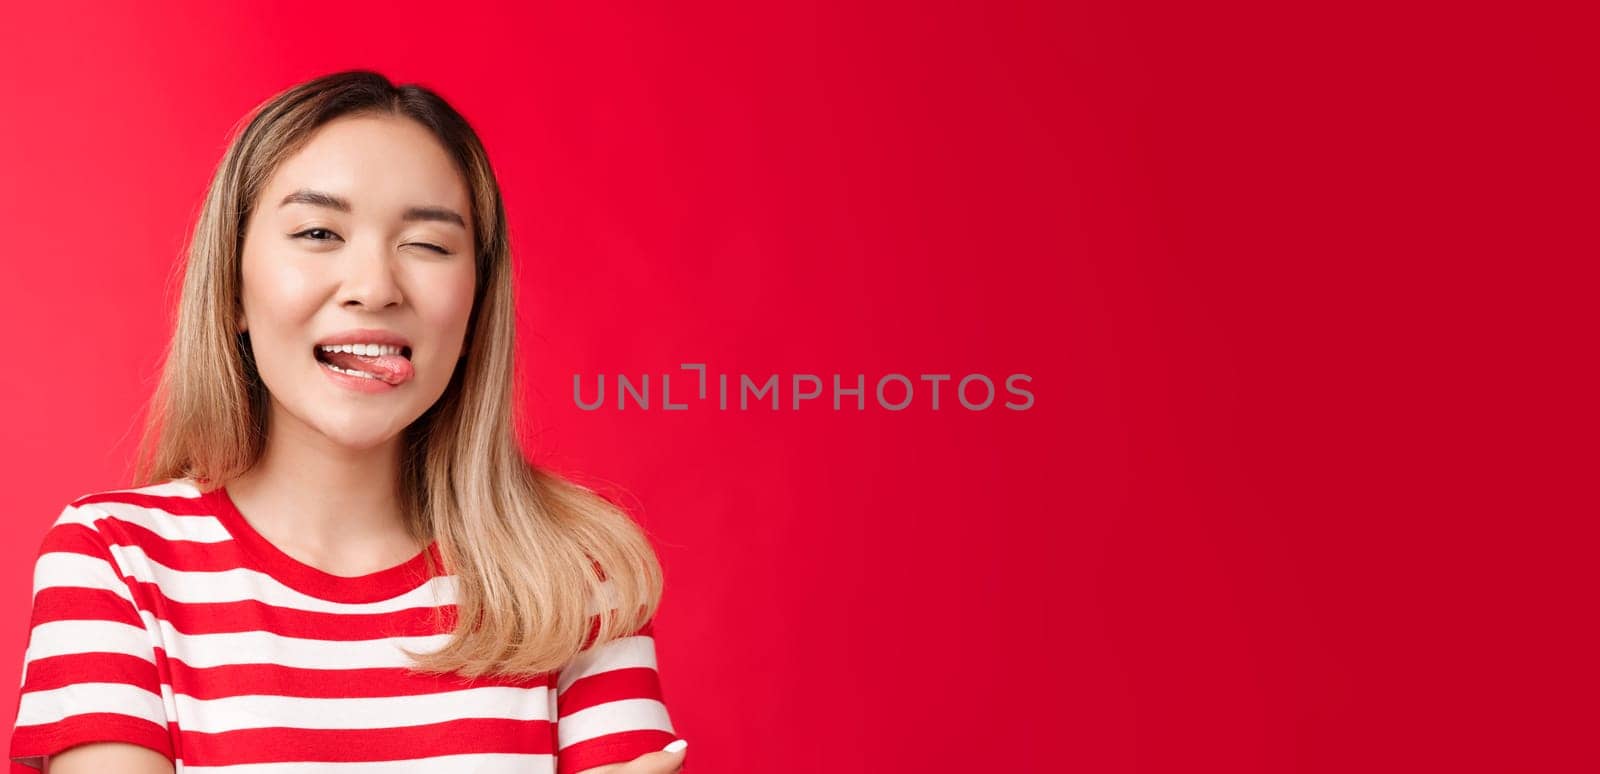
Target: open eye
{"points": [[306, 234]]}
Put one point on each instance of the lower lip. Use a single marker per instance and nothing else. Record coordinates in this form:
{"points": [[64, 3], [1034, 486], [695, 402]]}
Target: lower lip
{"points": [[357, 383]]}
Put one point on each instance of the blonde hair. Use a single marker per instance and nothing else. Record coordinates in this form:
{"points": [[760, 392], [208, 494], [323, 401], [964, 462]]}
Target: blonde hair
{"points": [[529, 548]]}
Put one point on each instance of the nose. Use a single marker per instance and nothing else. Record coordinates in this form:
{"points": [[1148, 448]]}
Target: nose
{"points": [[369, 278]]}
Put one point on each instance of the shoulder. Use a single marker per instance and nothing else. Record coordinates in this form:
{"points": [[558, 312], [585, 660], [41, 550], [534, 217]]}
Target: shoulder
{"points": [[178, 492], [97, 522]]}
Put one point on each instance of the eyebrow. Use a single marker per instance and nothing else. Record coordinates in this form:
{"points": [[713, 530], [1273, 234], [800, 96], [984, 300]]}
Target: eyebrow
{"points": [[322, 199]]}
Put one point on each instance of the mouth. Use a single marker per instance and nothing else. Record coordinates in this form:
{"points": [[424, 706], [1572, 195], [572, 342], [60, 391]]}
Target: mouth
{"points": [[388, 364]]}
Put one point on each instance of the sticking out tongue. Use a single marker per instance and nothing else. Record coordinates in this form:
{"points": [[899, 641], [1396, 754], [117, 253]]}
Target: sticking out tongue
{"points": [[393, 369]]}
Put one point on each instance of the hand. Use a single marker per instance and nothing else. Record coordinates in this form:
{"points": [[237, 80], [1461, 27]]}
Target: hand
{"points": [[668, 761]]}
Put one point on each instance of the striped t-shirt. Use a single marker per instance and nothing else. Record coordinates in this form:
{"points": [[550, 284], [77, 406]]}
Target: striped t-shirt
{"points": [[162, 618]]}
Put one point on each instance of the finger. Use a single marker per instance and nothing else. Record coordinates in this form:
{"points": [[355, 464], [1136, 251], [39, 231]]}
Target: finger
{"points": [[680, 748], [668, 761]]}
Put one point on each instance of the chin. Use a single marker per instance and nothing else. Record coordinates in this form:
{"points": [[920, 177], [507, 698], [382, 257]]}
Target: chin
{"points": [[354, 431], [359, 441]]}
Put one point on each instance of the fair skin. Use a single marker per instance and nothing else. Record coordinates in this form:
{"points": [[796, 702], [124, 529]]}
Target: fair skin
{"points": [[325, 490]]}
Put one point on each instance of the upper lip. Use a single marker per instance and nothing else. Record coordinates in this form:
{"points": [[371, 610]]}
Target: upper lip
{"points": [[365, 336]]}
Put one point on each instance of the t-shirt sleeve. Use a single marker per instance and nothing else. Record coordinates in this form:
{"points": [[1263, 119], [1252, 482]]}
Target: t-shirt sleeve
{"points": [[610, 708], [89, 670]]}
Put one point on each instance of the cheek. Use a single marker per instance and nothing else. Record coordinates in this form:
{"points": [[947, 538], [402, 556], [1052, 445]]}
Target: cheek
{"points": [[275, 289], [279, 302], [446, 303]]}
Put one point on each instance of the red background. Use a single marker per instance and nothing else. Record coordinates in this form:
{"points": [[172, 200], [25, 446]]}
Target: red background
{"points": [[1295, 286]]}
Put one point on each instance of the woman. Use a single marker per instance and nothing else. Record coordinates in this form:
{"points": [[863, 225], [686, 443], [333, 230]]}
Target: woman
{"points": [[330, 480]]}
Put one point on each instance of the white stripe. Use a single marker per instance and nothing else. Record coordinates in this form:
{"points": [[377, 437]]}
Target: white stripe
{"points": [[234, 713], [174, 487], [483, 763], [262, 647], [62, 638], [168, 702], [65, 569], [612, 717], [622, 653], [41, 707], [242, 584], [198, 528]]}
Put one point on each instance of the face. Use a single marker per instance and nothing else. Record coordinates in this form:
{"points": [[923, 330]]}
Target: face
{"points": [[366, 228]]}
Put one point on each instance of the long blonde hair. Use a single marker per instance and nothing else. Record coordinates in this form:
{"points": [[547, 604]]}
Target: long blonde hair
{"points": [[529, 548]]}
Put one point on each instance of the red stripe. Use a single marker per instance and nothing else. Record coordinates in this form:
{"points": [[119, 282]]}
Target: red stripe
{"points": [[181, 506], [614, 685], [283, 745], [220, 682], [246, 615], [620, 747], [58, 671], [186, 555], [77, 603], [75, 538], [51, 738], [253, 615]]}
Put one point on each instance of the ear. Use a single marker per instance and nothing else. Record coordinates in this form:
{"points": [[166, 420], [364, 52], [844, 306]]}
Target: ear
{"points": [[239, 324]]}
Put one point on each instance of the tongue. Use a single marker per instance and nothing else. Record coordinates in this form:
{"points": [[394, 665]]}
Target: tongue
{"points": [[393, 369]]}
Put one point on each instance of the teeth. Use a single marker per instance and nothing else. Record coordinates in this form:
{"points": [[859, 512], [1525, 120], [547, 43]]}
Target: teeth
{"points": [[369, 350], [362, 374]]}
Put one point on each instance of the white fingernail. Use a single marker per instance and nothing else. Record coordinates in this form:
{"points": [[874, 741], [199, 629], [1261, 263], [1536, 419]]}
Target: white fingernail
{"points": [[675, 746]]}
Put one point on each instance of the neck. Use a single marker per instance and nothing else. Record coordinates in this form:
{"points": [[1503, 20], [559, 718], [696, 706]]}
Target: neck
{"points": [[324, 498]]}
